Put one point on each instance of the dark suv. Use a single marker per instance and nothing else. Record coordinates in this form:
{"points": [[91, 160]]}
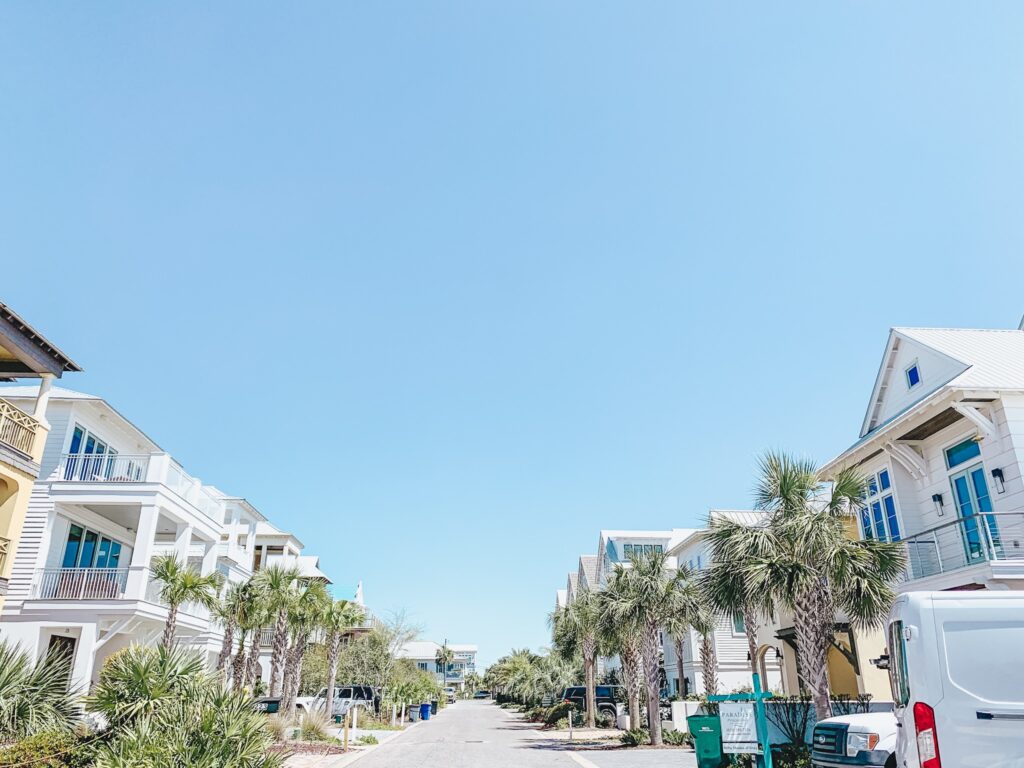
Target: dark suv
{"points": [[607, 697]]}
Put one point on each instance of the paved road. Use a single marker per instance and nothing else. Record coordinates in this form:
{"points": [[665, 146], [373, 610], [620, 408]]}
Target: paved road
{"points": [[477, 734]]}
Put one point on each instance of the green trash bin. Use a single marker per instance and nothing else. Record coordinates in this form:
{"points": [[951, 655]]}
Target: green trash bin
{"points": [[707, 740]]}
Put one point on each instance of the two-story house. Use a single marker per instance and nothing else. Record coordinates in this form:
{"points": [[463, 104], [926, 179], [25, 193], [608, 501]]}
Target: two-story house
{"points": [[942, 446], [423, 654], [24, 353], [109, 500]]}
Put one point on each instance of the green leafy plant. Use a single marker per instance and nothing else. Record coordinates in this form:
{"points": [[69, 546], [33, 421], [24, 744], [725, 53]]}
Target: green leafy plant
{"points": [[51, 749], [34, 696], [635, 737], [367, 739], [678, 738], [792, 716], [792, 756], [181, 583]]}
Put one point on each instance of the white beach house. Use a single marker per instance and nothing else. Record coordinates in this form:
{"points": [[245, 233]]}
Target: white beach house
{"points": [[109, 500]]}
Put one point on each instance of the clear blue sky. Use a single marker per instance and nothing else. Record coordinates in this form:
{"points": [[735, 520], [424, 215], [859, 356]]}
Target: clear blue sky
{"points": [[446, 287]]}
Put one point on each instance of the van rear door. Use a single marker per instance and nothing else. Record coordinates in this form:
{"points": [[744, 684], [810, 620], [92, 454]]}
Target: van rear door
{"points": [[980, 720]]}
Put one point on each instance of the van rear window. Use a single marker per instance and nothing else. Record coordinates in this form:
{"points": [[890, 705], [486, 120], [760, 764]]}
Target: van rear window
{"points": [[983, 658]]}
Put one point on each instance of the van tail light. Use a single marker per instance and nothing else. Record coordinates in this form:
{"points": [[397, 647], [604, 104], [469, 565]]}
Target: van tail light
{"points": [[927, 739]]}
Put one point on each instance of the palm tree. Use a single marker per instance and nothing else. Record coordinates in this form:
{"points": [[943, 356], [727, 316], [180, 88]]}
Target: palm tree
{"points": [[182, 584], [277, 582], [229, 612], [727, 591], [577, 627], [649, 595], [802, 558], [443, 658], [303, 618], [624, 636], [34, 696], [336, 618]]}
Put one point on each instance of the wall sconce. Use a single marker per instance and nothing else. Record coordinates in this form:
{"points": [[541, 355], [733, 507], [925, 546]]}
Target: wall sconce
{"points": [[937, 500], [997, 478]]}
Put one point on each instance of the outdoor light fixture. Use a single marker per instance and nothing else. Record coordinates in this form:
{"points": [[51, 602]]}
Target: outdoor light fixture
{"points": [[937, 499], [997, 478]]}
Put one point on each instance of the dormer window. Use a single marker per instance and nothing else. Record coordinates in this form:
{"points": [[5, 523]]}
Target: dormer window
{"points": [[913, 375]]}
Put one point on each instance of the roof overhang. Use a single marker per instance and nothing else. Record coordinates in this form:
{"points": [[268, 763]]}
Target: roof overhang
{"points": [[29, 353]]}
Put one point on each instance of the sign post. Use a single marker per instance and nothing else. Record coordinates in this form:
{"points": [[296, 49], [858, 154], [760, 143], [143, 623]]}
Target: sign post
{"points": [[745, 723]]}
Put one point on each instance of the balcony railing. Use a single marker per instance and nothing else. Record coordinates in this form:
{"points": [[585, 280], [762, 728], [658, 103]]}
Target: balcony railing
{"points": [[17, 428], [5, 550], [81, 583], [965, 541], [104, 467]]}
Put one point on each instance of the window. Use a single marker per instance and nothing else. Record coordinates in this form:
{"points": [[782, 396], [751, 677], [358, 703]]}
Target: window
{"points": [[424, 665], [94, 459], [878, 518], [970, 492], [913, 375], [627, 550], [88, 549], [962, 452], [739, 627], [899, 677]]}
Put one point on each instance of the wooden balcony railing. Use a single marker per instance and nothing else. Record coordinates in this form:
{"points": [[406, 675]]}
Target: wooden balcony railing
{"points": [[17, 428], [5, 550]]}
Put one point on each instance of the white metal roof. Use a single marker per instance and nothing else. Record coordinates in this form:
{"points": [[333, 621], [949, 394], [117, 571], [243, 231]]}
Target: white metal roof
{"points": [[995, 357]]}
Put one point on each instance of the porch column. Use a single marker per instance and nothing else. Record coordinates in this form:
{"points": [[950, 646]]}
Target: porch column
{"points": [[43, 398], [182, 541], [142, 551], [209, 558], [250, 542]]}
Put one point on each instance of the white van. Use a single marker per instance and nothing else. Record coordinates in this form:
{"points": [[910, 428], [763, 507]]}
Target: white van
{"points": [[956, 663]]}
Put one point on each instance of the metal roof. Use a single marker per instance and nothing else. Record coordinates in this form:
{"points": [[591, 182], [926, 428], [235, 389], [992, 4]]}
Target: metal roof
{"points": [[35, 340]]}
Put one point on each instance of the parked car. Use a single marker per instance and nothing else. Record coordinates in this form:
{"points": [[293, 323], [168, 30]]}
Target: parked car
{"points": [[345, 697], [450, 694], [607, 697], [482, 695], [868, 738], [957, 680]]}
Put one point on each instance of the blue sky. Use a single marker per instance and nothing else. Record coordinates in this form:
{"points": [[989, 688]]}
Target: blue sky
{"points": [[446, 287]]}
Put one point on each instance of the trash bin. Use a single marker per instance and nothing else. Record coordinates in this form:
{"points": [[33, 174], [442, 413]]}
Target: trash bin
{"points": [[433, 706], [707, 740], [425, 710], [414, 714]]}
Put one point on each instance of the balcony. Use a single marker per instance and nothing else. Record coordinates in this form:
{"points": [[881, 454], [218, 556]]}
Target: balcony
{"points": [[125, 469], [17, 429], [994, 538], [81, 584]]}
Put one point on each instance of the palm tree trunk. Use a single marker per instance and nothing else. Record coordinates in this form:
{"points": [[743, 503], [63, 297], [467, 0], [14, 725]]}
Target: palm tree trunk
{"points": [[277, 654], [652, 671], [333, 650], [589, 660], [709, 664], [813, 623], [680, 644], [238, 666], [170, 625], [225, 650], [750, 627], [634, 682], [252, 664], [293, 663]]}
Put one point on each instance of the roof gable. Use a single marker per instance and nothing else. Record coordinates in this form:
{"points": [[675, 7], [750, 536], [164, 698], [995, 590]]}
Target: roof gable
{"points": [[892, 393]]}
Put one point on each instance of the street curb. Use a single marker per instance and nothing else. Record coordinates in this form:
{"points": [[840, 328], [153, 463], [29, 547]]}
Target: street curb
{"points": [[346, 760]]}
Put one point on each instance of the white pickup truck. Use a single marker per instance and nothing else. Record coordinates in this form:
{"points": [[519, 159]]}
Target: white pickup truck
{"points": [[957, 683]]}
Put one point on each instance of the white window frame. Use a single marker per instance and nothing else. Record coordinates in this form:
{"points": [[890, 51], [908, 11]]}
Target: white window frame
{"points": [[906, 375], [878, 495]]}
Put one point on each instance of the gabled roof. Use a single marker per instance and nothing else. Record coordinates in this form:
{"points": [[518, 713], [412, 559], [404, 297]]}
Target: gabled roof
{"points": [[588, 567], [974, 359], [741, 516], [27, 353]]}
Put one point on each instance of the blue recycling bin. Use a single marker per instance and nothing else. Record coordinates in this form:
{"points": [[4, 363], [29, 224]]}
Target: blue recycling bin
{"points": [[425, 711]]}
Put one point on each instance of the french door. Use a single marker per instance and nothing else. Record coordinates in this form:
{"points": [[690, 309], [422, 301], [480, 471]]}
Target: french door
{"points": [[980, 530]]}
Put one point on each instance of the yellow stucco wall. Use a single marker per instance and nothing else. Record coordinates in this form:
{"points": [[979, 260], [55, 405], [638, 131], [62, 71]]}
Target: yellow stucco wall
{"points": [[15, 490]]}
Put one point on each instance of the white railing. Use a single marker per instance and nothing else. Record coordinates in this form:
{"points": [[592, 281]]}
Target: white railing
{"points": [[104, 467], [266, 637], [965, 541], [17, 428], [80, 583], [153, 589]]}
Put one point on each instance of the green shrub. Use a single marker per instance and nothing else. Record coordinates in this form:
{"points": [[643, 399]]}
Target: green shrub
{"points": [[677, 738], [51, 749], [792, 756], [605, 719], [314, 727], [559, 712], [367, 739], [635, 737]]}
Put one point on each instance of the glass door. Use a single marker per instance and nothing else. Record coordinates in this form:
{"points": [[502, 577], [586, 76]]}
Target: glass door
{"points": [[980, 530]]}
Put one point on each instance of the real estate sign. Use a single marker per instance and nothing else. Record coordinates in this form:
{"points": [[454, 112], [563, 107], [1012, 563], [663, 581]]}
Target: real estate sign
{"points": [[739, 727]]}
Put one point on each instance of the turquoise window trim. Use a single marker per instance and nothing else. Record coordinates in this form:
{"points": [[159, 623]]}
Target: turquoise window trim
{"points": [[962, 452]]}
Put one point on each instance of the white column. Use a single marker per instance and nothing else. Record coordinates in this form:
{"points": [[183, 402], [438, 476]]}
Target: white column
{"points": [[43, 398], [250, 542], [142, 551], [182, 541], [209, 558]]}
